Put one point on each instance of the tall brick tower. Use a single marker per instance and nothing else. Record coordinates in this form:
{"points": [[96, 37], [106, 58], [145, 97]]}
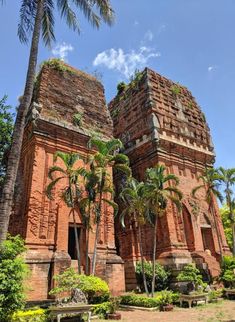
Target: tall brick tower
{"points": [[160, 122], [62, 96]]}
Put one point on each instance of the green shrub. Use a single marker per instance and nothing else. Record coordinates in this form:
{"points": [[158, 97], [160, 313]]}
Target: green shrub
{"points": [[165, 298], [228, 271], [95, 289], [191, 274], [161, 280], [13, 270], [36, 315], [141, 301], [106, 308], [215, 294]]}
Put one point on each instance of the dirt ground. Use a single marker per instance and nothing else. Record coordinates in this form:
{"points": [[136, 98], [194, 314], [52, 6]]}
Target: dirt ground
{"points": [[217, 312]]}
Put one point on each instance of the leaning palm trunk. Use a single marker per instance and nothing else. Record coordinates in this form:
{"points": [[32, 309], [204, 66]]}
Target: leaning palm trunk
{"points": [[154, 256], [17, 138], [142, 261], [211, 207]]}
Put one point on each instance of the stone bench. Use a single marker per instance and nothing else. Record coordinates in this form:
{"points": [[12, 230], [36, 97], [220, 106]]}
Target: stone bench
{"points": [[57, 312], [192, 298]]}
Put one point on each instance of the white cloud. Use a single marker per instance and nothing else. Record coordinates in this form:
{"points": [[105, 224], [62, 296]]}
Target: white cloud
{"points": [[136, 23], [62, 50], [148, 35], [211, 68], [125, 63]]}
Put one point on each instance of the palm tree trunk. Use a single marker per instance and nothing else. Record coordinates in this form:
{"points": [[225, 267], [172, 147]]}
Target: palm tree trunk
{"points": [[211, 207], [154, 255], [17, 138], [77, 242], [87, 239], [97, 233], [142, 261]]}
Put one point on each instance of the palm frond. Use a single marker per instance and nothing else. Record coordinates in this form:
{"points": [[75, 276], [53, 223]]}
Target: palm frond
{"points": [[51, 186], [48, 23], [120, 159], [176, 191], [27, 15], [68, 14], [55, 169], [113, 204], [106, 11], [195, 190]]}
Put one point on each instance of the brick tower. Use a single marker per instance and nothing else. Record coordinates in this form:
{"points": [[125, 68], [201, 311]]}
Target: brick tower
{"points": [[61, 93], [160, 122]]}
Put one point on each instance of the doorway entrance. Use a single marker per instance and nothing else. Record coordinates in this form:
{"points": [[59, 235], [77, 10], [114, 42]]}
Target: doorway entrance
{"points": [[207, 238], [72, 250]]}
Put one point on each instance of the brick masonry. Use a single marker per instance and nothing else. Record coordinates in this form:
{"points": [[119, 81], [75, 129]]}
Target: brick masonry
{"points": [[43, 223], [160, 122], [155, 125]]}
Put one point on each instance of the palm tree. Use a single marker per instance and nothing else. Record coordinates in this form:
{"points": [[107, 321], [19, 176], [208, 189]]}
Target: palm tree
{"points": [[228, 178], [136, 206], [161, 188], [37, 16], [71, 192], [210, 184], [86, 206], [101, 162]]}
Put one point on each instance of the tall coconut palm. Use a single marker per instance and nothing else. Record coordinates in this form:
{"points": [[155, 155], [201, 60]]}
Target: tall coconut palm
{"points": [[210, 184], [71, 192], [37, 16], [101, 162], [162, 188], [136, 207], [228, 178]]}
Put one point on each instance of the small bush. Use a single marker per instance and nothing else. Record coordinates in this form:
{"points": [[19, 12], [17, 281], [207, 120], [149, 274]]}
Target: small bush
{"points": [[106, 308], [161, 280], [191, 274], [13, 270], [141, 301], [95, 289], [37, 315]]}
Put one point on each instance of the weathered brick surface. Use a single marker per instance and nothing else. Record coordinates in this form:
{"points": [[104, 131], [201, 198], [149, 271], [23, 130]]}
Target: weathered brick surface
{"points": [[157, 125], [45, 223]]}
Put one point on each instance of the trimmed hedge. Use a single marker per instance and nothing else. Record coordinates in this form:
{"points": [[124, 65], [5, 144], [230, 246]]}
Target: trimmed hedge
{"points": [[141, 301]]}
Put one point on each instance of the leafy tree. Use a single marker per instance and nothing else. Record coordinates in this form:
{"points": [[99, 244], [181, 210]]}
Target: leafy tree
{"points": [[226, 220], [13, 271], [71, 192], [136, 207], [36, 19], [162, 188], [6, 126], [210, 184], [95, 289], [228, 178], [105, 157]]}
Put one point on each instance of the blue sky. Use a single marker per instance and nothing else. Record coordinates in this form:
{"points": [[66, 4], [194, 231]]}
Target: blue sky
{"points": [[189, 41]]}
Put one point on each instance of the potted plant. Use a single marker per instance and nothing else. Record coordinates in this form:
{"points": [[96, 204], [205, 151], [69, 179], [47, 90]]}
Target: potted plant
{"points": [[165, 301], [113, 307]]}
